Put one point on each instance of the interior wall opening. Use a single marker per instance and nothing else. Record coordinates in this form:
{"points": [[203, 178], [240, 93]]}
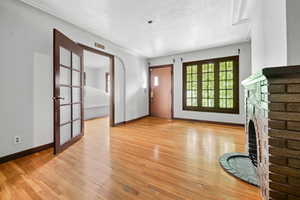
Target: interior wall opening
{"points": [[97, 90]]}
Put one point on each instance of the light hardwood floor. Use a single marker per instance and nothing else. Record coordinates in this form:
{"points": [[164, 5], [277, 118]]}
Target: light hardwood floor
{"points": [[151, 159]]}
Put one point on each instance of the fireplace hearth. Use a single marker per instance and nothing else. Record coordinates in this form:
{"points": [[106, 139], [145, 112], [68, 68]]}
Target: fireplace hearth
{"points": [[273, 130]]}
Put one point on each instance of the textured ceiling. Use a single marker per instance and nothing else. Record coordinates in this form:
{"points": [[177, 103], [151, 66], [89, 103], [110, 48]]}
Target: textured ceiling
{"points": [[178, 25]]}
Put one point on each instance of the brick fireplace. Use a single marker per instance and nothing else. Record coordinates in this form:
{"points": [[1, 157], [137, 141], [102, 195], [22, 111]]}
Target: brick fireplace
{"points": [[273, 130]]}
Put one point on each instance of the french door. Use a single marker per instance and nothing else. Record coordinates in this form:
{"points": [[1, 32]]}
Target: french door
{"points": [[68, 92]]}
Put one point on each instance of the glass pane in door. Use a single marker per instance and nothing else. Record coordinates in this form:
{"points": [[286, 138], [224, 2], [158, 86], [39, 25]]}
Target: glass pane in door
{"points": [[76, 128], [65, 57], [65, 93], [65, 133], [65, 76], [76, 78], [75, 61], [65, 114], [70, 91], [76, 94], [76, 111]]}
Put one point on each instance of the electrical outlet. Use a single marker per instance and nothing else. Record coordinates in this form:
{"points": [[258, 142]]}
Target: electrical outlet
{"points": [[17, 140]]}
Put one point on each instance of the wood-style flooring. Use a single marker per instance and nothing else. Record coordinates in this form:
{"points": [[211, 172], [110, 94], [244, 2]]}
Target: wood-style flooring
{"points": [[149, 159]]}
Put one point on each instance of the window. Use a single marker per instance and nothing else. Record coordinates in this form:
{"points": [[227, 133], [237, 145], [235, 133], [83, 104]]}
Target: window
{"points": [[156, 83], [107, 82], [211, 85]]}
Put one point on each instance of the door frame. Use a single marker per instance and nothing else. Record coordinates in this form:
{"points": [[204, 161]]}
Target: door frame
{"points": [[112, 79], [172, 86]]}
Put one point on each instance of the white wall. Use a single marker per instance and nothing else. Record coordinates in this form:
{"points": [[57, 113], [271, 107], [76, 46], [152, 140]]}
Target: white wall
{"points": [[293, 32], [245, 71], [96, 77], [269, 34], [26, 75]]}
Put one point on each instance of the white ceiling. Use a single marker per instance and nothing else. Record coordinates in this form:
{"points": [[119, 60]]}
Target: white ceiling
{"points": [[178, 25], [93, 60]]}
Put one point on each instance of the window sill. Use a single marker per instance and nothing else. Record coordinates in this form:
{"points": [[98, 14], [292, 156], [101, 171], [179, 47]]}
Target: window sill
{"points": [[212, 110]]}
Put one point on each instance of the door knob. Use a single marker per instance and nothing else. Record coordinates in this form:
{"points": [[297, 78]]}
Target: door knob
{"points": [[58, 98]]}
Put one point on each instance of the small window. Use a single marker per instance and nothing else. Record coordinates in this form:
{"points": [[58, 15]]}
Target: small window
{"points": [[211, 85], [156, 81]]}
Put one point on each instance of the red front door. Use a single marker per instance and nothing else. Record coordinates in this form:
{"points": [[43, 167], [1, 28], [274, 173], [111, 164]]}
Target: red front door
{"points": [[161, 91]]}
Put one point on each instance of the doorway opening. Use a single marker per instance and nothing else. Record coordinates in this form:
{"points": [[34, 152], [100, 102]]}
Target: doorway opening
{"points": [[161, 91], [98, 90], [98, 85]]}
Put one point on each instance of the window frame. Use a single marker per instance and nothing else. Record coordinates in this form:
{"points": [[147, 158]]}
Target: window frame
{"points": [[236, 85]]}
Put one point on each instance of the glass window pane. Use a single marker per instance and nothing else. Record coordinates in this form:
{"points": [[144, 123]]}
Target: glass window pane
{"points": [[204, 102], [204, 67], [229, 84], [188, 77], [229, 103], [64, 57], [75, 61], [222, 94], [194, 94], [222, 66], [189, 86], [194, 85], [194, 69], [194, 77], [204, 94], [188, 93], [211, 76], [222, 75], [211, 67], [204, 76], [222, 103], [194, 102], [189, 102], [226, 92], [211, 103], [229, 94], [229, 75], [211, 85], [229, 65], [211, 94], [204, 85], [222, 84]]}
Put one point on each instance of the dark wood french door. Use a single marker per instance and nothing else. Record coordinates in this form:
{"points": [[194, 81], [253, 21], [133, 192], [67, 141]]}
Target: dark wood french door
{"points": [[68, 92]]}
